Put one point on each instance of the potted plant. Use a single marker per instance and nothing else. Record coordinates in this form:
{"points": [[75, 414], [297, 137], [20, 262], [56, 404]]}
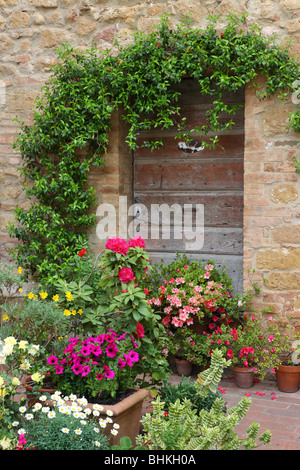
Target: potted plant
{"points": [[185, 347], [102, 370], [194, 294], [282, 356], [243, 345]]}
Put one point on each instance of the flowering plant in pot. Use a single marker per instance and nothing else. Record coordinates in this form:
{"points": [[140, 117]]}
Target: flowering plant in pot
{"points": [[188, 292], [185, 347], [110, 296], [242, 344], [282, 355], [96, 367]]}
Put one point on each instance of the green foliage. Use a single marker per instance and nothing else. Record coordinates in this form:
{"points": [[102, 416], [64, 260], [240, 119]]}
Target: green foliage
{"points": [[126, 444], [183, 429], [73, 117], [169, 393], [36, 320]]}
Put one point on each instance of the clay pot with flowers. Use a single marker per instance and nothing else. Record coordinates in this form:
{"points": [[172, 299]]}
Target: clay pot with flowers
{"points": [[282, 355], [185, 347], [101, 370], [243, 345], [193, 294]]}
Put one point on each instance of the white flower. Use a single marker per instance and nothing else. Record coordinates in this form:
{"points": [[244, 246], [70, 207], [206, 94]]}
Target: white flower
{"points": [[98, 407], [51, 414], [97, 444], [114, 432], [43, 398], [82, 401], [83, 422], [109, 420], [109, 413], [29, 416], [22, 409], [73, 397], [87, 411], [15, 423], [116, 426], [23, 344], [102, 423], [37, 406], [62, 409], [45, 409], [96, 429], [76, 414], [65, 430], [21, 431], [78, 431], [96, 413]]}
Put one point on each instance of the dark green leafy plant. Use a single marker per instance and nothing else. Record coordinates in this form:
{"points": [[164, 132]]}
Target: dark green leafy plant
{"points": [[73, 117], [169, 393]]}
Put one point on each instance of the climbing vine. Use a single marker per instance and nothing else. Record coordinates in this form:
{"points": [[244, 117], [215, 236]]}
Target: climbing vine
{"points": [[73, 116]]}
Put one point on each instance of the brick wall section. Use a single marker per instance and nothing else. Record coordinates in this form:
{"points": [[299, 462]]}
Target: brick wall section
{"points": [[30, 30]]}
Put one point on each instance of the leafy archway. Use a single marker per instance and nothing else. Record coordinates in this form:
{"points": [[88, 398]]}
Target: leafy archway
{"points": [[75, 109]]}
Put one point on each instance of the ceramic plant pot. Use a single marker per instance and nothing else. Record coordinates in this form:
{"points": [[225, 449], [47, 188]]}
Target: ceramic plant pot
{"points": [[244, 376], [183, 367], [288, 378]]}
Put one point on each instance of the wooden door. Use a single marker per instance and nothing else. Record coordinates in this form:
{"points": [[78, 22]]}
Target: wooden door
{"points": [[209, 178]]}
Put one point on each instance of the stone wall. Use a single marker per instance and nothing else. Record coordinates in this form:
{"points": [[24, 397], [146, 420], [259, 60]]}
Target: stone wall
{"points": [[30, 31]]}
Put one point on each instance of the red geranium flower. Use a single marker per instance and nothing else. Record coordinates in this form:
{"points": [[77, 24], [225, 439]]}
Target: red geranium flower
{"points": [[82, 252]]}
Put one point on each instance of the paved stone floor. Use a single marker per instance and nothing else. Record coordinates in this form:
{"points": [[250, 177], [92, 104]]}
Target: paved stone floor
{"points": [[272, 409]]}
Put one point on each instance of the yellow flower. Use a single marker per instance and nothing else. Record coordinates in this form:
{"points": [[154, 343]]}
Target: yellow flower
{"points": [[80, 311], [5, 317], [73, 312], [55, 298], [37, 377], [31, 295], [69, 296], [23, 344], [16, 382], [43, 295], [21, 290], [20, 270], [67, 312]]}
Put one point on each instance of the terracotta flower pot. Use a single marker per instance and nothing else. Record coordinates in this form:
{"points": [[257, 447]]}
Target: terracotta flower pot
{"points": [[244, 376], [184, 367], [288, 378], [127, 413]]}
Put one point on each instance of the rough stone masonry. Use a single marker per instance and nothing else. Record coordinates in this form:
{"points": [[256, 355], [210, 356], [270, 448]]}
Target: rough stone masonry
{"points": [[30, 31]]}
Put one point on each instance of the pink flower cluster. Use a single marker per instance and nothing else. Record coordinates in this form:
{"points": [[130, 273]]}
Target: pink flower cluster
{"points": [[126, 275], [119, 245], [93, 354], [181, 300]]}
